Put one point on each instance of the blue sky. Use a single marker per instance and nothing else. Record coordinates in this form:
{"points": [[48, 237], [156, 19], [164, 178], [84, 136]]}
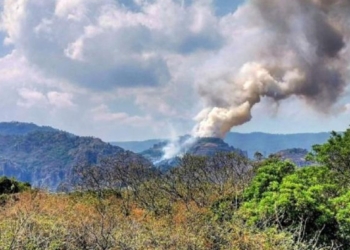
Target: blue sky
{"points": [[132, 70]]}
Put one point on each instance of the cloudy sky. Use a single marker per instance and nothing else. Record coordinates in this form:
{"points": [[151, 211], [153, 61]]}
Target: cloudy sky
{"points": [[129, 69]]}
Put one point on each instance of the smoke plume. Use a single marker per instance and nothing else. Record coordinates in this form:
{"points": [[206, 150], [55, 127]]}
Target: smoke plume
{"points": [[280, 48]]}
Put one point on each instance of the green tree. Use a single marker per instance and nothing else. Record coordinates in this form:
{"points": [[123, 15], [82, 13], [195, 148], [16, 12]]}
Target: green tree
{"points": [[335, 154], [8, 186], [268, 178], [342, 205], [298, 201]]}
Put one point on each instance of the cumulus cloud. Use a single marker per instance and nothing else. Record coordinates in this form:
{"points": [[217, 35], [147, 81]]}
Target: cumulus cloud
{"points": [[345, 108], [102, 44], [149, 63], [77, 55], [103, 114], [30, 98], [27, 95], [60, 100]]}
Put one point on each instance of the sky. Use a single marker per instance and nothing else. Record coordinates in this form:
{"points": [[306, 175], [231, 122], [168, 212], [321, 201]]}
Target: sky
{"points": [[130, 69]]}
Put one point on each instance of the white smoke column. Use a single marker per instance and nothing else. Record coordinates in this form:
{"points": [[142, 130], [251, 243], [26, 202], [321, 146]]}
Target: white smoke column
{"points": [[177, 148], [172, 148], [275, 49]]}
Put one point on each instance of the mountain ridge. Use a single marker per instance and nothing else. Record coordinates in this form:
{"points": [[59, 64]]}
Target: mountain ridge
{"points": [[265, 143], [22, 128], [45, 157]]}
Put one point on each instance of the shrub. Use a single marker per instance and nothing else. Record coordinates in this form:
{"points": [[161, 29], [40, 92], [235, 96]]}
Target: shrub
{"points": [[10, 186]]}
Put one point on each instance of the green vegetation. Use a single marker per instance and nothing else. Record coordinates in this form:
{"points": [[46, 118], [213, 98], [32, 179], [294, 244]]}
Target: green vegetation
{"points": [[11, 186], [220, 202], [335, 155]]}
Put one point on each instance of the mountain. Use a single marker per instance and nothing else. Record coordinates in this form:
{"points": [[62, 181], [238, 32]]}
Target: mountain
{"points": [[137, 146], [271, 143], [252, 142], [200, 147], [45, 157], [211, 146]]}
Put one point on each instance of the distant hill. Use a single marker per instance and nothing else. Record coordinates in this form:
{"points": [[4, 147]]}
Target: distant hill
{"points": [[137, 146], [45, 156], [251, 142], [271, 143]]}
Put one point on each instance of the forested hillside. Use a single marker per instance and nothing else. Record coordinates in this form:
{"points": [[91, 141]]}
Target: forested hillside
{"points": [[45, 157], [22, 128]]}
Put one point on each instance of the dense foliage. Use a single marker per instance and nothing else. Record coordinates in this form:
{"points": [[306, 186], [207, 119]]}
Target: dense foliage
{"points": [[335, 155], [222, 202]]}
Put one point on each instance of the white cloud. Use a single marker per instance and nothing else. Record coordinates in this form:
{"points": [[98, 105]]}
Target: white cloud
{"points": [[103, 114], [102, 44], [346, 108], [146, 56], [30, 98], [71, 9], [13, 15], [60, 100]]}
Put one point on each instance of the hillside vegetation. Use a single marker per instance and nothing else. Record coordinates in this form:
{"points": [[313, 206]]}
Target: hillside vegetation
{"points": [[223, 202], [22, 128]]}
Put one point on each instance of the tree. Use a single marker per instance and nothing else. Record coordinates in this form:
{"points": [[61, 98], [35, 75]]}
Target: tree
{"points": [[296, 200], [258, 156], [342, 206], [268, 178], [200, 179], [8, 186], [335, 155]]}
